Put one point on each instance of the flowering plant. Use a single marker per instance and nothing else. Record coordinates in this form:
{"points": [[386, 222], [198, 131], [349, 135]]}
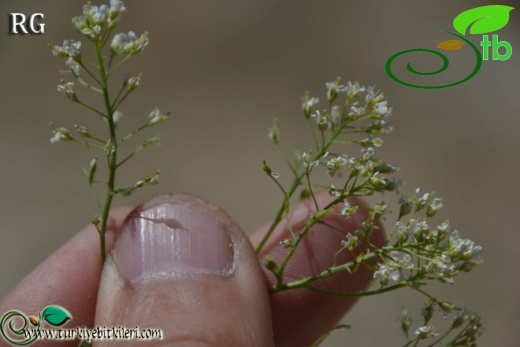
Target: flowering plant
{"points": [[96, 24], [414, 252]]}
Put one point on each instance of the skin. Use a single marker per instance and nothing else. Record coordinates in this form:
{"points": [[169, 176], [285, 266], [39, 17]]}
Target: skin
{"points": [[200, 310]]}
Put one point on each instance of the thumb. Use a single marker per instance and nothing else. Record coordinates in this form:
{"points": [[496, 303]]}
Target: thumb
{"points": [[184, 266]]}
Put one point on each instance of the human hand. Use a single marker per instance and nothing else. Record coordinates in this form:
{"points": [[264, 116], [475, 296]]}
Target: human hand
{"points": [[182, 265]]}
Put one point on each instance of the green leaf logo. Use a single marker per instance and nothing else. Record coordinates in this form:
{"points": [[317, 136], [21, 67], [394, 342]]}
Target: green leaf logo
{"points": [[482, 20], [56, 315]]}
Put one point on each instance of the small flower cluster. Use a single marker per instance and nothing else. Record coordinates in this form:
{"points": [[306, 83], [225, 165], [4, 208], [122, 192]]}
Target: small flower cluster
{"points": [[156, 117], [441, 253], [394, 267], [454, 317], [374, 107], [414, 252], [128, 43], [96, 24], [96, 20]]}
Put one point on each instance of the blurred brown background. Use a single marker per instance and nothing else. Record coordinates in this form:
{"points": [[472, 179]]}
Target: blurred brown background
{"points": [[224, 70]]}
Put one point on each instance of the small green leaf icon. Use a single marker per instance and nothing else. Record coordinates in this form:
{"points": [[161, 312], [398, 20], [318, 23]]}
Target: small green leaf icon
{"points": [[56, 315], [482, 20]]}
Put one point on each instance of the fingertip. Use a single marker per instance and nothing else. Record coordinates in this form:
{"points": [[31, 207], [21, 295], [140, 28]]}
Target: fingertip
{"points": [[183, 266]]}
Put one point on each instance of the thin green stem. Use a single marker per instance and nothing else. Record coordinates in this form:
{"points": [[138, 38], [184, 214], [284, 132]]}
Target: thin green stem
{"points": [[117, 103], [307, 176], [416, 340], [90, 73], [96, 197], [120, 63], [279, 214], [88, 85], [286, 199], [87, 144], [304, 282], [442, 337], [132, 133], [92, 108], [312, 133], [96, 139], [282, 155], [111, 152], [138, 149], [357, 294], [296, 183], [117, 97]]}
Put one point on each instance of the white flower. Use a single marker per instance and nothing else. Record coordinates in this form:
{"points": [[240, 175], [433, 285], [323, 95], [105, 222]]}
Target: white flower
{"points": [[64, 87], [336, 115], [334, 191], [128, 43], [444, 227], [274, 132], [56, 137], [353, 89], [117, 116], [418, 226], [60, 134], [93, 164], [382, 109], [335, 164], [393, 269], [67, 88], [333, 89], [351, 242], [117, 5], [306, 156], [119, 41], [349, 210], [335, 85], [357, 111], [307, 163], [436, 204], [69, 49], [462, 248], [372, 96], [157, 117], [322, 121], [133, 82], [74, 66], [426, 331], [308, 104], [92, 21], [402, 231], [377, 142], [98, 14], [368, 151], [385, 273]]}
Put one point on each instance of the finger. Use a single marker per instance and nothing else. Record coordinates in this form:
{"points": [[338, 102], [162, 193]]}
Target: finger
{"points": [[184, 266], [300, 316], [68, 278]]}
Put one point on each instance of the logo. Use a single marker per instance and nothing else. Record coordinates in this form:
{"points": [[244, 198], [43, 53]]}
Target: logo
{"points": [[53, 315], [20, 329], [20, 24], [479, 20]]}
